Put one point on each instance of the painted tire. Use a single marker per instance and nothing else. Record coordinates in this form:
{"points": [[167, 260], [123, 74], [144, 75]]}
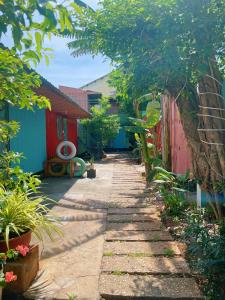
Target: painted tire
{"points": [[58, 173], [82, 167], [67, 144]]}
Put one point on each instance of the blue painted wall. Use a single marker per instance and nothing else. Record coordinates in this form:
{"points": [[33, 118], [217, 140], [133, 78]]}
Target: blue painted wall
{"points": [[31, 139], [121, 141]]}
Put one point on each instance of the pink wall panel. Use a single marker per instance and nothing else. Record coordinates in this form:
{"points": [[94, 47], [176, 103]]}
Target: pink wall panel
{"points": [[180, 153]]}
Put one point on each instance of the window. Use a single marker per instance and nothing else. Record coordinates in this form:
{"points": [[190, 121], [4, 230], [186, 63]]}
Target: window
{"points": [[59, 124]]}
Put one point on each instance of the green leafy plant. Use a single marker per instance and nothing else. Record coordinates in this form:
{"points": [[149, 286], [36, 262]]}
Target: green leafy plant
{"points": [[169, 252], [21, 212], [102, 127], [141, 127], [206, 252]]}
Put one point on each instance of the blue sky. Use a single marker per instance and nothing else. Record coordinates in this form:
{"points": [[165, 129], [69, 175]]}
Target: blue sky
{"points": [[67, 70], [64, 69]]}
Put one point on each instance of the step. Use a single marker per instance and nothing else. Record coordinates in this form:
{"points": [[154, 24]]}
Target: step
{"points": [[154, 236], [138, 249], [135, 287], [126, 211], [136, 226], [144, 265], [133, 218]]}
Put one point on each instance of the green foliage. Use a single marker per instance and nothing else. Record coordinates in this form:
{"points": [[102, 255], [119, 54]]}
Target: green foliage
{"points": [[175, 205], [169, 252], [21, 212], [173, 188], [18, 83], [206, 249], [102, 127], [12, 176], [29, 23], [168, 181], [159, 44]]}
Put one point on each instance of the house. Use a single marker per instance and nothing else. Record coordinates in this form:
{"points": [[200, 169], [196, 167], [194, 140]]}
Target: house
{"points": [[43, 129], [90, 94]]}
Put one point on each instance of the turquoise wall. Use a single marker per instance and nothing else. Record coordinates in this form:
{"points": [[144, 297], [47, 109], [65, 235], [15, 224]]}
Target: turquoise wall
{"points": [[31, 139], [121, 141]]}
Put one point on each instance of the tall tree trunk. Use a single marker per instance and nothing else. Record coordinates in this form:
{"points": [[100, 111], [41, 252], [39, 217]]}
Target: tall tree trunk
{"points": [[203, 118]]}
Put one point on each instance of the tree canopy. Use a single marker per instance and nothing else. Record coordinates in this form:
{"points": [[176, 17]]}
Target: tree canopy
{"points": [[173, 47], [160, 43]]}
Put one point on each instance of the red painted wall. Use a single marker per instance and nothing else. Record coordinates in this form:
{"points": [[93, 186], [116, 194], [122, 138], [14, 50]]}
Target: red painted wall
{"points": [[180, 153], [158, 136], [52, 140]]}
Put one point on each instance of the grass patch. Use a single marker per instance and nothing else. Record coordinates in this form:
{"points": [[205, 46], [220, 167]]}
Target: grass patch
{"points": [[71, 297], [108, 253], [118, 273], [139, 254], [169, 252], [156, 238]]}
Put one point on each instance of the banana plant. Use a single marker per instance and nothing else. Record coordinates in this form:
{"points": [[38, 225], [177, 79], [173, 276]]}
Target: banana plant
{"points": [[142, 126]]}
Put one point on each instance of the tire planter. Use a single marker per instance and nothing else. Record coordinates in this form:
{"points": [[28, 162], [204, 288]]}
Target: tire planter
{"points": [[52, 169], [66, 144], [23, 239], [82, 167]]}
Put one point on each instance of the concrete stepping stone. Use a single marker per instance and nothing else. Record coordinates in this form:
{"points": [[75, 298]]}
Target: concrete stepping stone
{"points": [[138, 226], [149, 210], [148, 287], [144, 265], [139, 249], [154, 236], [126, 204], [133, 218]]}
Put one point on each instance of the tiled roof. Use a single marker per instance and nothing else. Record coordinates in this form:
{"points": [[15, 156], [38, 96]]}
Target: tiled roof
{"points": [[77, 95]]}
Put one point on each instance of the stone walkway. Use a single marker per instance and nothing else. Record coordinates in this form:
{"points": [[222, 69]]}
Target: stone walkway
{"points": [[140, 258], [114, 244]]}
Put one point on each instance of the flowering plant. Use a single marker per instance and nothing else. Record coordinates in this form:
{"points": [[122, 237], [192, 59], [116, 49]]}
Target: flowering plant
{"points": [[8, 276], [11, 254], [20, 250]]}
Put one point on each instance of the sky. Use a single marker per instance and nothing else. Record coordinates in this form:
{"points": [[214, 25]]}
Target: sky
{"points": [[65, 69]]}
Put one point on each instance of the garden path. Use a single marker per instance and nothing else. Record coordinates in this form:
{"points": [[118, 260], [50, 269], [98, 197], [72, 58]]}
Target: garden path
{"points": [[114, 244]]}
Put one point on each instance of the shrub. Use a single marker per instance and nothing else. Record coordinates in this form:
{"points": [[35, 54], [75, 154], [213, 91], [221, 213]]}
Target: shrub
{"points": [[206, 250]]}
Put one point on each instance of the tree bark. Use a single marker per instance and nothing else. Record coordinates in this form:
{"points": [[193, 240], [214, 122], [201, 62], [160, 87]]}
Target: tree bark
{"points": [[204, 108]]}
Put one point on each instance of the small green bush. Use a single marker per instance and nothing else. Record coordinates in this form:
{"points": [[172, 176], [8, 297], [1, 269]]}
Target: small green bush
{"points": [[206, 250]]}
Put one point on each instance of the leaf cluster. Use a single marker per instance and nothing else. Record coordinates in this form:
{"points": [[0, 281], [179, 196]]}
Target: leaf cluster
{"points": [[21, 212], [206, 250], [102, 127], [160, 44]]}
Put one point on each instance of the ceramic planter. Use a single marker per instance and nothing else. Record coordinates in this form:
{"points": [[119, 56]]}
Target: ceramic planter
{"points": [[23, 239], [91, 173], [26, 269]]}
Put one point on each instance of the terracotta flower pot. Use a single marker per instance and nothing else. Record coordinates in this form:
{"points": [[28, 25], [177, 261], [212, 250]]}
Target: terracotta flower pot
{"points": [[23, 239]]}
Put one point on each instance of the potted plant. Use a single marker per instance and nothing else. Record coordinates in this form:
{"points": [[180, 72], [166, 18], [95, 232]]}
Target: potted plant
{"points": [[21, 213], [91, 171]]}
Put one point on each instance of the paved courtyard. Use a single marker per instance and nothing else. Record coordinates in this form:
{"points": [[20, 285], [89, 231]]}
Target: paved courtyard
{"points": [[114, 243]]}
